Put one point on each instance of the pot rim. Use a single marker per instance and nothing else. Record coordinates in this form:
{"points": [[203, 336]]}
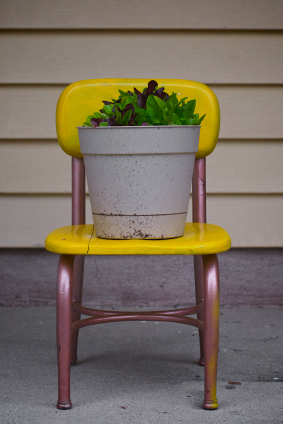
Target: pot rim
{"points": [[134, 127]]}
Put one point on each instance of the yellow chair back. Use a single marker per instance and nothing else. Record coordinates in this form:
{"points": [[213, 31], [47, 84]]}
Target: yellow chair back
{"points": [[83, 98]]}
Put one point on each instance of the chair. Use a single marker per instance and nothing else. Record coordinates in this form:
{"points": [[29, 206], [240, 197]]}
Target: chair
{"points": [[202, 240]]}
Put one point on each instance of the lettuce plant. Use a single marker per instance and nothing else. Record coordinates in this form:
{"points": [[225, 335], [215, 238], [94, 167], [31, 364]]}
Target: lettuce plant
{"points": [[151, 106]]}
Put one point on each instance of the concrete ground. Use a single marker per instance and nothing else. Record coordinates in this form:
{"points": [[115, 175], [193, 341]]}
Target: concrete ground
{"points": [[139, 372]]}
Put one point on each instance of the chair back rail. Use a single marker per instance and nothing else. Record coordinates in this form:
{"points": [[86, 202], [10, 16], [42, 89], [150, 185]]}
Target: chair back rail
{"points": [[78, 191], [199, 191]]}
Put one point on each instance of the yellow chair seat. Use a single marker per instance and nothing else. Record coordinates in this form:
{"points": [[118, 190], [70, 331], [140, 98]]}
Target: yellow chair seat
{"points": [[198, 239]]}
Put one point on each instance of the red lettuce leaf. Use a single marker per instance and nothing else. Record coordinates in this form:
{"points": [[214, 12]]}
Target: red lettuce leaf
{"points": [[151, 87]]}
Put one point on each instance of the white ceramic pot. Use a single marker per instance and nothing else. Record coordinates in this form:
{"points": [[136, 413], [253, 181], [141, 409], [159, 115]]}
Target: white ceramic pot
{"points": [[139, 179]]}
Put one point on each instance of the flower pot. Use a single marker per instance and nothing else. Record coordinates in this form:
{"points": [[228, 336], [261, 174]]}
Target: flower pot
{"points": [[139, 179]]}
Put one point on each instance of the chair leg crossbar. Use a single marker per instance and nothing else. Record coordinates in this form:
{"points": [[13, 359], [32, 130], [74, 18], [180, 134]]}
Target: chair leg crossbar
{"points": [[101, 316], [69, 309]]}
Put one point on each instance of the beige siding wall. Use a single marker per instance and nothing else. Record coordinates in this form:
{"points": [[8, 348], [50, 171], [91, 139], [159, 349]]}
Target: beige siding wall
{"points": [[235, 47], [144, 14]]}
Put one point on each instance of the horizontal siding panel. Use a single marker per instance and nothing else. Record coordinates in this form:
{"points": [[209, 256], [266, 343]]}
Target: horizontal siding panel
{"points": [[28, 111], [210, 57], [234, 167], [250, 112], [246, 167], [246, 111], [223, 14], [34, 167], [251, 220]]}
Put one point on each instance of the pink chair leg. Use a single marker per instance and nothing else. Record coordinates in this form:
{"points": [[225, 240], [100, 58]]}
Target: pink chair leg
{"points": [[77, 289], [199, 287], [64, 329], [211, 329]]}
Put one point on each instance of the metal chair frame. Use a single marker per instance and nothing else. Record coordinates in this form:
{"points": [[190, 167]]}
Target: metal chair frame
{"points": [[70, 285]]}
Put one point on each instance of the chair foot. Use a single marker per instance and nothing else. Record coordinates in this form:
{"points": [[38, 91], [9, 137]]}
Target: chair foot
{"points": [[74, 361], [201, 362], [210, 404], [64, 404]]}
